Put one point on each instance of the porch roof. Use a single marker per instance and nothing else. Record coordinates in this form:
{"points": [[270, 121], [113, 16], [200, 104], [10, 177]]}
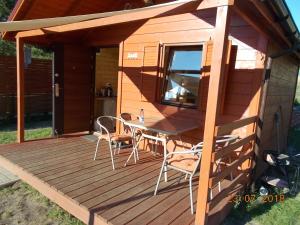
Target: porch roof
{"points": [[22, 25], [40, 27]]}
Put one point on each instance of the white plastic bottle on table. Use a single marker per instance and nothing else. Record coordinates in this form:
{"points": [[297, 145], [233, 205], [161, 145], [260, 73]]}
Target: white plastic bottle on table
{"points": [[142, 118]]}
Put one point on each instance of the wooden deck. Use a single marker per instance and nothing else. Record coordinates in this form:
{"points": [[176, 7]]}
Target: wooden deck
{"points": [[63, 170]]}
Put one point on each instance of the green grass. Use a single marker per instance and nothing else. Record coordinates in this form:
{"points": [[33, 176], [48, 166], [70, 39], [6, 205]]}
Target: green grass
{"points": [[297, 96], [275, 213], [54, 212], [294, 138], [261, 213], [34, 130]]}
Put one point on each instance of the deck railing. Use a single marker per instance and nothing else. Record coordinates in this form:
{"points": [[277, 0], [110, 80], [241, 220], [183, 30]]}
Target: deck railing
{"points": [[234, 174]]}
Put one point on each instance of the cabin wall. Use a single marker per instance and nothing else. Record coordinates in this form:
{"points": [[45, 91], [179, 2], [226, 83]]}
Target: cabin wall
{"points": [[280, 97], [107, 67], [243, 88], [141, 77], [140, 81], [244, 80]]}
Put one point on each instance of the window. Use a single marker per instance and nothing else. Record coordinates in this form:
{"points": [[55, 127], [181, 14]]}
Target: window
{"points": [[182, 76]]}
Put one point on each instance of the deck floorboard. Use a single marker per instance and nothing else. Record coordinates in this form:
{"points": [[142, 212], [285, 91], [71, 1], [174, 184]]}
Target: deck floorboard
{"points": [[63, 169]]}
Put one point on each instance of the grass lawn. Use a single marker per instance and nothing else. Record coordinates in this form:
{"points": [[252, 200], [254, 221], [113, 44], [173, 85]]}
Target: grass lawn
{"points": [[280, 213], [258, 213], [34, 130]]}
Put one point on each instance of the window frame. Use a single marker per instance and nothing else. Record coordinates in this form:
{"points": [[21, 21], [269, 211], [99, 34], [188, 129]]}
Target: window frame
{"points": [[166, 55]]}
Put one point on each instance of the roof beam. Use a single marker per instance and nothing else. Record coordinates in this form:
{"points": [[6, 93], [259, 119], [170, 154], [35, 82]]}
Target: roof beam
{"points": [[130, 16], [261, 7], [243, 12]]}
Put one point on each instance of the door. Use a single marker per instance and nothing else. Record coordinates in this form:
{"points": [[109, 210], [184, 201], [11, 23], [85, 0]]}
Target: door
{"points": [[73, 89]]}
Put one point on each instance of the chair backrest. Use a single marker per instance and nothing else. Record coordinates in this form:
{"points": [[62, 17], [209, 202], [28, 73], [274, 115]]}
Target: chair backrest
{"points": [[197, 149], [225, 140], [221, 141], [127, 117], [107, 124]]}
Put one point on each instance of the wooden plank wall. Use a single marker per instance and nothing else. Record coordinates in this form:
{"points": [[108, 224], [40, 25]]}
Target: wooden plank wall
{"points": [[243, 81], [107, 68], [38, 86], [280, 97], [245, 77], [142, 77]]}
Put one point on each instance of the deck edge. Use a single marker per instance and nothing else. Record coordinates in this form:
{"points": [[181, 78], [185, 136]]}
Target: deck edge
{"points": [[57, 197]]}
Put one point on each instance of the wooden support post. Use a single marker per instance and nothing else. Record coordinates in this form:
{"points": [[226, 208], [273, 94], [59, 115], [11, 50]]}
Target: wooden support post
{"points": [[20, 89], [120, 78], [217, 70]]}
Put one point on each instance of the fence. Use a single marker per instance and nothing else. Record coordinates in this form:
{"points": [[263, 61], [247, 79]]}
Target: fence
{"points": [[38, 90], [236, 159]]}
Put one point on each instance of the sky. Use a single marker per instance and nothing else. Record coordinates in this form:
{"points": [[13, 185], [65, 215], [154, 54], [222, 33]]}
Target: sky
{"points": [[294, 6]]}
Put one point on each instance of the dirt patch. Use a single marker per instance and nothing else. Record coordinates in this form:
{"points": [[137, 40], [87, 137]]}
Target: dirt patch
{"points": [[21, 204]]}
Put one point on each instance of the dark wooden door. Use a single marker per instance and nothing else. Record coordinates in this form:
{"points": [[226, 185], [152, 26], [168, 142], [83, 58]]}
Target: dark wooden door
{"points": [[73, 89]]}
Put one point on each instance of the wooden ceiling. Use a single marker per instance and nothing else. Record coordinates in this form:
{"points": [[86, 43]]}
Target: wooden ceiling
{"points": [[37, 9]]}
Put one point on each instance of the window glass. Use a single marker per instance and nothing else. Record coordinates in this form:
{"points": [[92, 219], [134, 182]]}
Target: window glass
{"points": [[186, 60], [183, 75]]}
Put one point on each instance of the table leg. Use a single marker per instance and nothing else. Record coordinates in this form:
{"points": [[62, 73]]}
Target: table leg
{"points": [[134, 145], [155, 151], [137, 146], [134, 148], [165, 155]]}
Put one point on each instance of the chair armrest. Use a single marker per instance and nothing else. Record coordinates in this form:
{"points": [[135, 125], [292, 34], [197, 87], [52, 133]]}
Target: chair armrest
{"points": [[184, 152]]}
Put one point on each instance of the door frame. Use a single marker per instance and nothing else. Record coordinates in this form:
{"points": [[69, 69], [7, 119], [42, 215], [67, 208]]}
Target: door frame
{"points": [[96, 49]]}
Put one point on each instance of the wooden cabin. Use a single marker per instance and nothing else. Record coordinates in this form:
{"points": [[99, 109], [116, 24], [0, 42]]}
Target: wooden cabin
{"points": [[236, 61]]}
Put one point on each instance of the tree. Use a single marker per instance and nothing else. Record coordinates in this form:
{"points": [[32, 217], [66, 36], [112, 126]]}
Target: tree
{"points": [[5, 8], [8, 48]]}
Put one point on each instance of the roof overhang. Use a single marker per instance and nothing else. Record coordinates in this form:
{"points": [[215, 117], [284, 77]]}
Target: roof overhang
{"points": [[39, 27], [276, 22], [23, 25]]}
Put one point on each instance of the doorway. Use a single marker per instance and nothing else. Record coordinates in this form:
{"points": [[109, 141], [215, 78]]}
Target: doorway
{"points": [[106, 82]]}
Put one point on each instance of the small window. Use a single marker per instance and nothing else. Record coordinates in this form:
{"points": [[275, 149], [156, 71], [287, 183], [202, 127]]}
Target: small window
{"points": [[182, 76]]}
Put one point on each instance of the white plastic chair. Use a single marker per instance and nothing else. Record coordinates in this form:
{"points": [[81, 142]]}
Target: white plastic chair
{"points": [[108, 134], [176, 160], [193, 162]]}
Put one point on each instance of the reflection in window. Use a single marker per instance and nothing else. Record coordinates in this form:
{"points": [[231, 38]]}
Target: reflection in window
{"points": [[183, 76]]}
